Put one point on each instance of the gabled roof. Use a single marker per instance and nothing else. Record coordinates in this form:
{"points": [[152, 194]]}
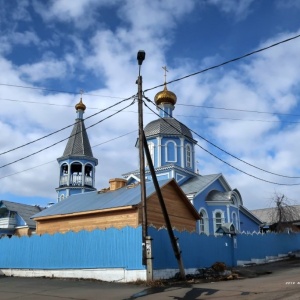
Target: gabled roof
{"points": [[95, 201], [24, 211], [78, 143], [269, 215], [199, 183]]}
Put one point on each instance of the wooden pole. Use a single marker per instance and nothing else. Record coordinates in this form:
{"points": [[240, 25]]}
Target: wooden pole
{"points": [[173, 239]]}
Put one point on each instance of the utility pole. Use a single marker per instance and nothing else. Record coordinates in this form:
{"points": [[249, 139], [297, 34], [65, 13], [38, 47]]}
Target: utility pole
{"points": [[140, 58], [173, 239]]}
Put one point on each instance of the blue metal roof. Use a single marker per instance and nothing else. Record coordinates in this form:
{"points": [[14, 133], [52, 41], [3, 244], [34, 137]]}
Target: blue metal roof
{"points": [[127, 196]]}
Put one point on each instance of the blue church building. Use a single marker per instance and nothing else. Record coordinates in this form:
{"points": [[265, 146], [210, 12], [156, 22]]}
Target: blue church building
{"points": [[172, 149]]}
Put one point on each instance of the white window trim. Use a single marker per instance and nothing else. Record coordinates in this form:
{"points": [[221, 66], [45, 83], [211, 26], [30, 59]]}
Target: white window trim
{"points": [[175, 151], [236, 225], [190, 163], [214, 218], [151, 148], [205, 220]]}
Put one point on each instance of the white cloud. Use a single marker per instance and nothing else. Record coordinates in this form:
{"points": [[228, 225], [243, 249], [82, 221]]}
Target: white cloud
{"points": [[81, 12], [46, 69], [240, 8]]}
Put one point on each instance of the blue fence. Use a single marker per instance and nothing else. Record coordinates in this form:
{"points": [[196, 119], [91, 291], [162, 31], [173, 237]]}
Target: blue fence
{"points": [[111, 248], [122, 248]]}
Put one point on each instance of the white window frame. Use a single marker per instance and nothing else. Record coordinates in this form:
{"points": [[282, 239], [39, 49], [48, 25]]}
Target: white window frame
{"points": [[151, 147], [215, 212], [204, 222], [167, 152], [188, 156]]}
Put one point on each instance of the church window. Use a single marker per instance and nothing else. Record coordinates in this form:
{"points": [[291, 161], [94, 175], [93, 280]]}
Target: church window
{"points": [[188, 156], [88, 175], [235, 220], [62, 197], [76, 174], [64, 175], [203, 222], [218, 219], [151, 150], [171, 151]]}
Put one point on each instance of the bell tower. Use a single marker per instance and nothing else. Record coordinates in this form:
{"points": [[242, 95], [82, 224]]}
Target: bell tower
{"points": [[77, 164]]}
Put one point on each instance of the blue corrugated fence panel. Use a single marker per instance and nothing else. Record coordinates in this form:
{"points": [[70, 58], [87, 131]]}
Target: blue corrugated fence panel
{"points": [[111, 248]]}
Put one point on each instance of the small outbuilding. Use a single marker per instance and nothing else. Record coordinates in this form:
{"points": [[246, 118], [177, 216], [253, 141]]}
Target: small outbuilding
{"points": [[15, 218], [118, 206]]}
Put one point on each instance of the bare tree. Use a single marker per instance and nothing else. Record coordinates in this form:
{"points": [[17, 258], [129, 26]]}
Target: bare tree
{"points": [[283, 214]]}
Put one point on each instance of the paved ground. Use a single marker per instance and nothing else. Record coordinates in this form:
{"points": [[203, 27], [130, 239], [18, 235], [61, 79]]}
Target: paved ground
{"points": [[272, 281]]}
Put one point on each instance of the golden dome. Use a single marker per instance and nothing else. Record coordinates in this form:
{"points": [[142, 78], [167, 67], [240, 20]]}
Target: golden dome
{"points": [[165, 96], [80, 105]]}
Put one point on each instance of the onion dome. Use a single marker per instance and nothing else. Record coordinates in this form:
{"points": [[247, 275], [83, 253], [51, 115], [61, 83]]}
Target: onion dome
{"points": [[80, 105], [165, 96]]}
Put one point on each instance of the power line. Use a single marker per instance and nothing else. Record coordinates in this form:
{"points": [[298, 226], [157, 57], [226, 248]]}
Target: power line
{"points": [[241, 110], [58, 91], [225, 63], [291, 177], [45, 136], [187, 116], [242, 120], [35, 167], [43, 149]]}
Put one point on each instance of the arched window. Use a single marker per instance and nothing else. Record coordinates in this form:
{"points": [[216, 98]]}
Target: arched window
{"points": [[151, 150], [62, 197], [76, 174], [171, 151], [88, 175], [203, 222], [235, 220], [188, 156], [218, 216], [64, 171]]}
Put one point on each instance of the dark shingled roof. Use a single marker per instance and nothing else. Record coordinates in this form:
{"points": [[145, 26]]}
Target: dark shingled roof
{"points": [[78, 143], [167, 126], [24, 211]]}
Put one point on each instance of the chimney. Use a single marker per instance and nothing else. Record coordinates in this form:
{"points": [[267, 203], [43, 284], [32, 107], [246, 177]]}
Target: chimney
{"points": [[117, 183]]}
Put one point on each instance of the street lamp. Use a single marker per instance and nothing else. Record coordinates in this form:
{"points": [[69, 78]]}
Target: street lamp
{"points": [[140, 58]]}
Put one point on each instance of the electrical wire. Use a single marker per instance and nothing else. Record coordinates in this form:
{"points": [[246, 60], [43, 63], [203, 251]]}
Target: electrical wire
{"points": [[35, 167], [242, 120], [226, 62], [261, 179], [52, 145], [58, 91], [241, 110], [54, 132]]}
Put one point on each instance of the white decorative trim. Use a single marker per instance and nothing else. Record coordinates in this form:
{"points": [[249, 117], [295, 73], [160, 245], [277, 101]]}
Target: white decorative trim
{"points": [[167, 152], [206, 221], [158, 151], [214, 219], [182, 152]]}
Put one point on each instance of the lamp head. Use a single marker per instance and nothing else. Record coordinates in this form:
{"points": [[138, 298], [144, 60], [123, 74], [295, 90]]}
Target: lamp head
{"points": [[141, 57]]}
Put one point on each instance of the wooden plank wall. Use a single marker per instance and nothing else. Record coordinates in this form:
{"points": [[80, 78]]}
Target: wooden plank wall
{"points": [[180, 216], [89, 222]]}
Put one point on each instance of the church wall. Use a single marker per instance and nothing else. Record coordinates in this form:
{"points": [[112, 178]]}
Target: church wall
{"points": [[247, 225], [100, 220], [200, 202], [176, 153]]}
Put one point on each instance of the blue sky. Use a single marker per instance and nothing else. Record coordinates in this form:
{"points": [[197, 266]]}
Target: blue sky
{"points": [[250, 108]]}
